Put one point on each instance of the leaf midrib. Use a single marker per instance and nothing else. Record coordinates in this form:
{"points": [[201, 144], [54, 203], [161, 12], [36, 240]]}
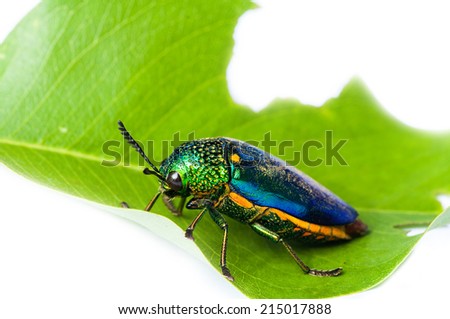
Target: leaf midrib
{"points": [[59, 151], [97, 159]]}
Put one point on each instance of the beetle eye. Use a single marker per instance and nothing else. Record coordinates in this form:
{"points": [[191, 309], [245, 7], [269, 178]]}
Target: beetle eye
{"points": [[174, 181]]}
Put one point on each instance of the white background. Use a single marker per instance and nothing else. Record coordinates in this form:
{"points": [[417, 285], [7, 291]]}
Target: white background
{"points": [[61, 257]]}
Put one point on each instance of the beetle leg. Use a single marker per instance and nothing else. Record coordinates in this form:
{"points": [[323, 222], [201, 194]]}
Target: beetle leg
{"points": [[267, 233], [197, 203], [152, 202], [167, 199], [181, 205], [263, 231], [314, 272], [220, 221], [190, 230]]}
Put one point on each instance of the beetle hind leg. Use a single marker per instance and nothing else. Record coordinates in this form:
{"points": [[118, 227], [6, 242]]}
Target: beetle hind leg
{"points": [[263, 231], [310, 271]]}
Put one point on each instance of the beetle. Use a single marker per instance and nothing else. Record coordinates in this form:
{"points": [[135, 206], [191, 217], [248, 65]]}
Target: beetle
{"points": [[224, 176]]}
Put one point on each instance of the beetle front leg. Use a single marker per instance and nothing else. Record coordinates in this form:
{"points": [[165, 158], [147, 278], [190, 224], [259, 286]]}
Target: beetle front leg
{"points": [[168, 196], [207, 204], [221, 222], [181, 205], [196, 203], [190, 230]]}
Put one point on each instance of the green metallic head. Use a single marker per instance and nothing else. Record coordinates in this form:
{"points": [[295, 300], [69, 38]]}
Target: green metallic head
{"points": [[196, 167]]}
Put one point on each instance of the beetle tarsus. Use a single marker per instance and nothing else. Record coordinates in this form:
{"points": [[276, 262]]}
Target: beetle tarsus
{"points": [[227, 274], [307, 269], [190, 230], [189, 234], [325, 273], [124, 205]]}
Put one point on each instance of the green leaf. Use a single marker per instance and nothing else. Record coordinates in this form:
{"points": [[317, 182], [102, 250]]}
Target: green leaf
{"points": [[71, 69]]}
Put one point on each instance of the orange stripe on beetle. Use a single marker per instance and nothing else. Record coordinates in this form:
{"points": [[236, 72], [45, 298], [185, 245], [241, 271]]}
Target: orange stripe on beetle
{"points": [[331, 232], [240, 200]]}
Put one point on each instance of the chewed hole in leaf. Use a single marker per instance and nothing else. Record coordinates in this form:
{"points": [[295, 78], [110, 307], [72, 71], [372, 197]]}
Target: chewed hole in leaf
{"points": [[444, 199], [413, 229]]}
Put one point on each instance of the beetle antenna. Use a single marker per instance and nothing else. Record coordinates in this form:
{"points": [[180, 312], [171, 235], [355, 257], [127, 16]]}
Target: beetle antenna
{"points": [[127, 136]]}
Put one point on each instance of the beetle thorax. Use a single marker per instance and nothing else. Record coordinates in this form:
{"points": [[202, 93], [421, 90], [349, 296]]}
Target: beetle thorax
{"points": [[201, 164]]}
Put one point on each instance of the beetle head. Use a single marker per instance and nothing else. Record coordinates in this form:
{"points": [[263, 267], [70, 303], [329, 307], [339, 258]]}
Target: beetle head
{"points": [[196, 167]]}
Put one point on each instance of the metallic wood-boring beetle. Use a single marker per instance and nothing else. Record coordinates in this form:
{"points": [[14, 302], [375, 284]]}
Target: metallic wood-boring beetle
{"points": [[224, 176]]}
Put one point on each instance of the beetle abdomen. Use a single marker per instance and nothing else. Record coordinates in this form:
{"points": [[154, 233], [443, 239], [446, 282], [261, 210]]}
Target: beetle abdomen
{"points": [[278, 221]]}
